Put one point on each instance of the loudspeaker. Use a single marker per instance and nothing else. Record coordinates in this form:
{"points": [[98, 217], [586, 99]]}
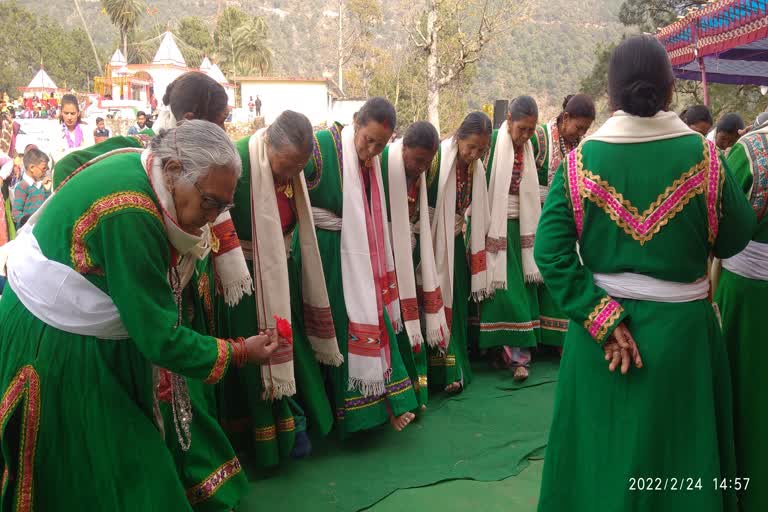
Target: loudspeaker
{"points": [[499, 112]]}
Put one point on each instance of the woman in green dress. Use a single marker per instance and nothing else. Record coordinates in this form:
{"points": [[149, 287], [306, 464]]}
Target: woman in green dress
{"points": [[203, 461], [456, 184], [551, 144], [658, 434], [222, 274], [259, 406], [510, 317], [742, 293], [403, 170], [80, 429], [372, 386]]}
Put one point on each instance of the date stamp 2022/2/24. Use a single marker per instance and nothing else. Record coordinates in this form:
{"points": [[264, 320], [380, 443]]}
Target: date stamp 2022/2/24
{"points": [[686, 484]]}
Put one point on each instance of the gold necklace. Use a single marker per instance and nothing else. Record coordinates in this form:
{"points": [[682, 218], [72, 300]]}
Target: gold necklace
{"points": [[286, 189]]}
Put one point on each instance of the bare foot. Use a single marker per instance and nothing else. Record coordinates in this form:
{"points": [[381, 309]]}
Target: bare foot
{"points": [[402, 421], [521, 373], [454, 388]]}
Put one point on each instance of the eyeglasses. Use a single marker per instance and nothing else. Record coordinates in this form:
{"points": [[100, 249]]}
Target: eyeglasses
{"points": [[211, 203]]}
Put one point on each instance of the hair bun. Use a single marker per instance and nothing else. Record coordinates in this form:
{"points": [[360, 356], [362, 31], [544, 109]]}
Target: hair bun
{"points": [[642, 99], [167, 95]]}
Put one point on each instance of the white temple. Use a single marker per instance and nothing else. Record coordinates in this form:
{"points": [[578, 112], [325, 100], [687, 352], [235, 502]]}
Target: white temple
{"points": [[137, 83], [40, 83]]}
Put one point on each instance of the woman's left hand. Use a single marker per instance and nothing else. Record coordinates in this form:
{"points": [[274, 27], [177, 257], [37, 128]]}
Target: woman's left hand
{"points": [[621, 350]]}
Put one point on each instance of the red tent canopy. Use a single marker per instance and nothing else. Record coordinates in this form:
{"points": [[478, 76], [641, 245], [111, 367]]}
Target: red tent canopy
{"points": [[723, 41]]}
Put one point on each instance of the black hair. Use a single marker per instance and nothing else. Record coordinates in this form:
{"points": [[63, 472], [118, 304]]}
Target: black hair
{"points": [[99, 120], [291, 128], [197, 93], [34, 156], [379, 110], [141, 113], [730, 123], [640, 76], [476, 123], [578, 105], [69, 99], [522, 107], [697, 114], [422, 134]]}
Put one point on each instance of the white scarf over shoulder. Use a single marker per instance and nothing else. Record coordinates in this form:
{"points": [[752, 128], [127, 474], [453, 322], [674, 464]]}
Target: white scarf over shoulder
{"points": [[528, 210]]}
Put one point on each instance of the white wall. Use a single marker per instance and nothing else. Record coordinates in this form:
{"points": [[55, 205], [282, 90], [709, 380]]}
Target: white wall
{"points": [[343, 110], [308, 98], [230, 95]]}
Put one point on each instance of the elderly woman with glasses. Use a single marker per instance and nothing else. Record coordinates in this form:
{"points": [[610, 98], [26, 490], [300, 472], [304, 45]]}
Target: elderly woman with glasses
{"points": [[93, 306]]}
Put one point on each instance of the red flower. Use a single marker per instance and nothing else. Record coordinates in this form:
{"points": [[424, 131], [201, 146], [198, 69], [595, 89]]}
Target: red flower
{"points": [[284, 328]]}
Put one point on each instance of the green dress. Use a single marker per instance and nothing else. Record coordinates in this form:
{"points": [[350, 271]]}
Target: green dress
{"points": [[415, 359], [553, 321], [210, 454], [742, 305], [266, 429], [511, 316], [672, 419], [453, 365], [77, 425], [353, 411]]}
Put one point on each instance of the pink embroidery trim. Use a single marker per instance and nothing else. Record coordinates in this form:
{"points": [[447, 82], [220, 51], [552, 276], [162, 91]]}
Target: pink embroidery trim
{"points": [[644, 227], [573, 185], [602, 317], [712, 189]]}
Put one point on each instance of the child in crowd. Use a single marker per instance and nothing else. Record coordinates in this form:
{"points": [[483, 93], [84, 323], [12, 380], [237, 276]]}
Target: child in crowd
{"points": [[101, 133], [34, 188]]}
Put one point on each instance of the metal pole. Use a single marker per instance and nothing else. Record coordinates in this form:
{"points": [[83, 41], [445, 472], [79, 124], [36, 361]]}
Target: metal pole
{"points": [[703, 69]]}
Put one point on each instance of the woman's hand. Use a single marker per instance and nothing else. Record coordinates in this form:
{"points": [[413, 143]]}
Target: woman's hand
{"points": [[261, 347], [621, 350]]}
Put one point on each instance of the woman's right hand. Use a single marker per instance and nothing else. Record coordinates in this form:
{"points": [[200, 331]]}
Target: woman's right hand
{"points": [[621, 349], [261, 347]]}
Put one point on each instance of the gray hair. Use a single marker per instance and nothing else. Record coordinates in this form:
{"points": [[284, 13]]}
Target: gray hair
{"points": [[522, 107], [291, 128], [198, 145]]}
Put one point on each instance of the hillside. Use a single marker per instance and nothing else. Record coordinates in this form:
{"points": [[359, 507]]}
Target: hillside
{"points": [[545, 54]]}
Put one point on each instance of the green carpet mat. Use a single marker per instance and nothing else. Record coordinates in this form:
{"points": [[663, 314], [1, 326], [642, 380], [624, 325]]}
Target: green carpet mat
{"points": [[519, 494], [486, 433]]}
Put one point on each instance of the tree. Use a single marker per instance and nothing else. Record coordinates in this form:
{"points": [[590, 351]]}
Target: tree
{"points": [[195, 38], [358, 22], [649, 15], [227, 24], [453, 35], [251, 47], [653, 14], [29, 41], [125, 15], [88, 33]]}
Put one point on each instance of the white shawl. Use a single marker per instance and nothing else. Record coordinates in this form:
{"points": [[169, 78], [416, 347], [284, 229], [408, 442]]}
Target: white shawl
{"points": [[529, 210], [434, 313], [365, 271], [444, 225]]}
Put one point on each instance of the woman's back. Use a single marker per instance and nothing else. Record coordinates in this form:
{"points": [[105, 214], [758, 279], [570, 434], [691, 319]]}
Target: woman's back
{"points": [[656, 208]]}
